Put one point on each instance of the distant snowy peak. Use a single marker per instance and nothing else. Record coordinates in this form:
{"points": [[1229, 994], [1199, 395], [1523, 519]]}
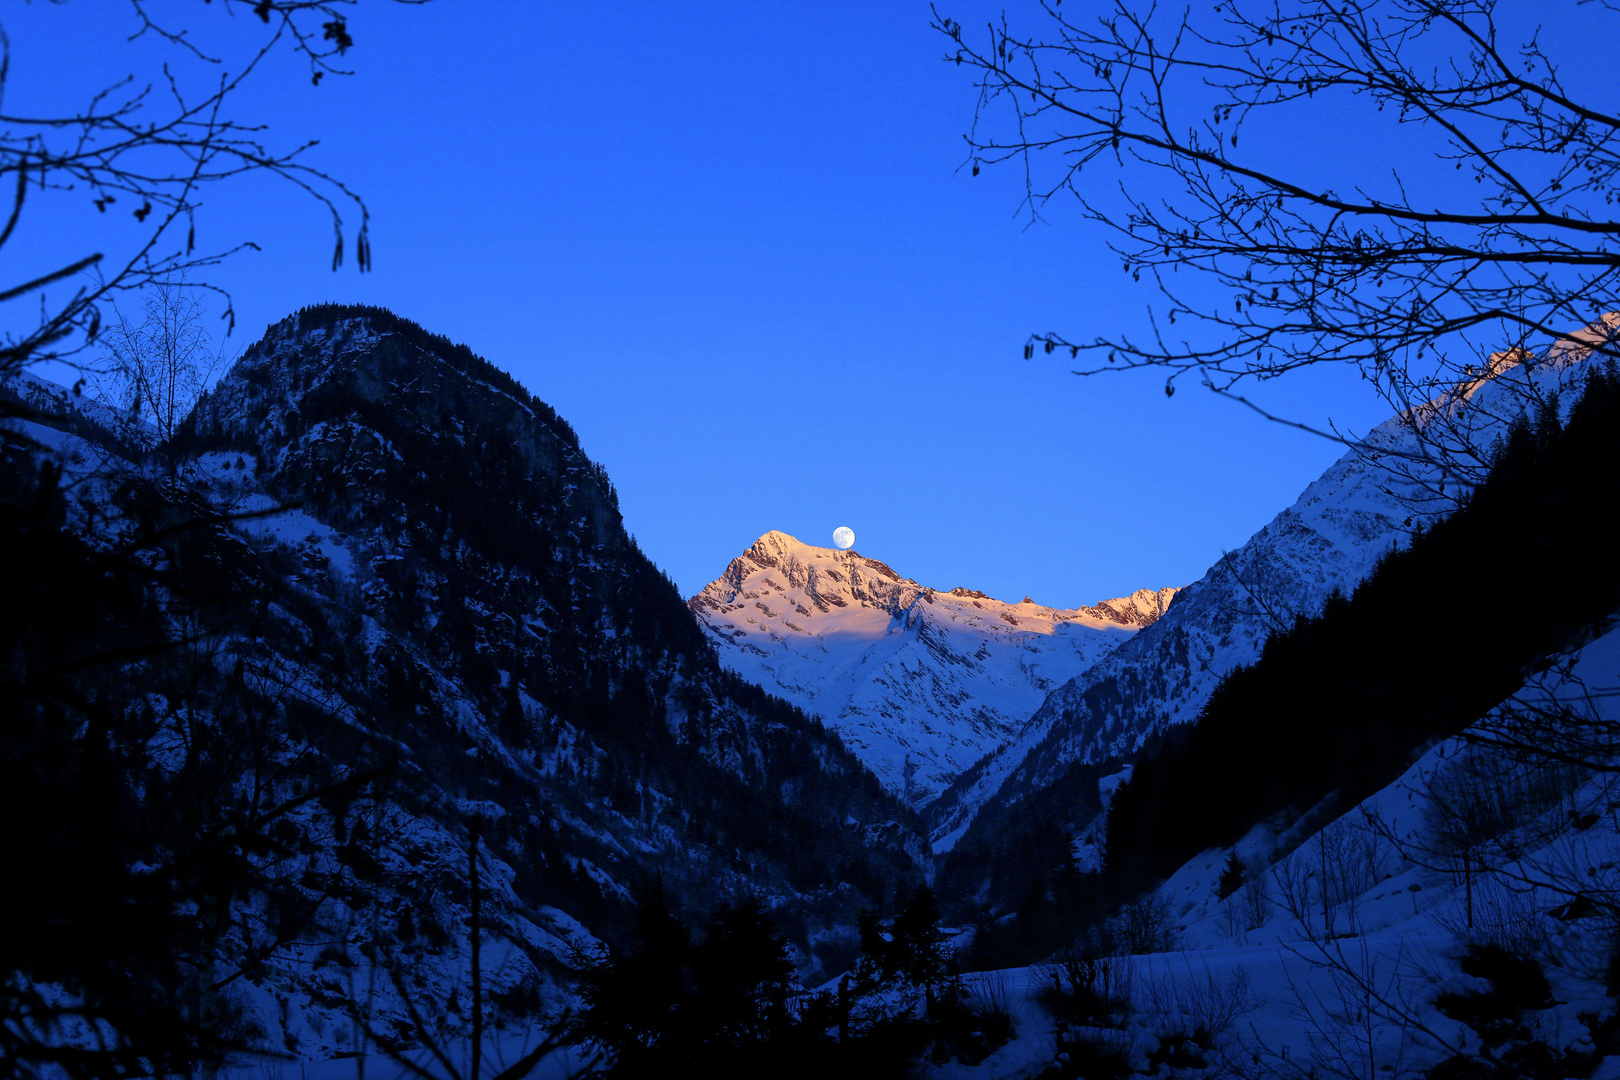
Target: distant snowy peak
{"points": [[918, 681], [836, 579], [1142, 608], [828, 578]]}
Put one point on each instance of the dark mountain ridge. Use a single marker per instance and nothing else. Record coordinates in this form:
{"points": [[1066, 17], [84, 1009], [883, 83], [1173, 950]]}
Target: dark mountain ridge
{"points": [[391, 627]]}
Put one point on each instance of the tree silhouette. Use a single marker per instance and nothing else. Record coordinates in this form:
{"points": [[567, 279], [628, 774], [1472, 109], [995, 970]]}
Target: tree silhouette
{"points": [[154, 151], [1493, 231], [156, 366]]}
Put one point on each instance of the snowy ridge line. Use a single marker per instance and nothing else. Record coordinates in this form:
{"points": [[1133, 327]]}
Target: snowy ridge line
{"points": [[1408, 472], [918, 682]]}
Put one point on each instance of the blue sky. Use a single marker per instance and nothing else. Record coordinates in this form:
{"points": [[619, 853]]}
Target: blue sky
{"points": [[731, 244]]}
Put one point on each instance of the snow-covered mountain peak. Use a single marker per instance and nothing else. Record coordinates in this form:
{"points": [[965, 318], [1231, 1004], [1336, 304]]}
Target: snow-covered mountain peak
{"points": [[920, 682], [414, 608], [1141, 608], [837, 575]]}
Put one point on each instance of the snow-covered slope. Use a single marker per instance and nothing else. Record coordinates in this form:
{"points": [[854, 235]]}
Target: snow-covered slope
{"points": [[1332, 956], [1407, 472], [919, 682], [1345, 948], [1383, 894]]}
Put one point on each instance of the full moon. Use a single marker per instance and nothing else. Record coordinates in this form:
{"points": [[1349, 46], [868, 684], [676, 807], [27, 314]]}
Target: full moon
{"points": [[844, 537]]}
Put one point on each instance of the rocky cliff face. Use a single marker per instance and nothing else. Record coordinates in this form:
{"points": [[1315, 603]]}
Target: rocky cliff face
{"points": [[919, 682]]}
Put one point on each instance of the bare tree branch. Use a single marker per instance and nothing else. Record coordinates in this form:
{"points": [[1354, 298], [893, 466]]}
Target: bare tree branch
{"points": [[1140, 115], [152, 150]]}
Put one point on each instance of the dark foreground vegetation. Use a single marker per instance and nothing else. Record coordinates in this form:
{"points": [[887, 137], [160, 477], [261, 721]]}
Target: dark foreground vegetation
{"points": [[725, 1004]]}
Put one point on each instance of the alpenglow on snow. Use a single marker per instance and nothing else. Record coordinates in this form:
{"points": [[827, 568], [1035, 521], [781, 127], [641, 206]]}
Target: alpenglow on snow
{"points": [[919, 682]]}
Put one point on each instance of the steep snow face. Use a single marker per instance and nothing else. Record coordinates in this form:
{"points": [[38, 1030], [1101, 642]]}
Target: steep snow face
{"points": [[1408, 472], [919, 682]]}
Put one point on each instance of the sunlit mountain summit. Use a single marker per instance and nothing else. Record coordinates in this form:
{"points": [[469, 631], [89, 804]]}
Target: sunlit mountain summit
{"points": [[919, 682]]}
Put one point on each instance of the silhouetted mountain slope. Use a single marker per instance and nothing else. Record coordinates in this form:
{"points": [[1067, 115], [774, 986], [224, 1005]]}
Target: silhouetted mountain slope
{"points": [[1338, 703], [1410, 472], [390, 599], [1407, 472]]}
